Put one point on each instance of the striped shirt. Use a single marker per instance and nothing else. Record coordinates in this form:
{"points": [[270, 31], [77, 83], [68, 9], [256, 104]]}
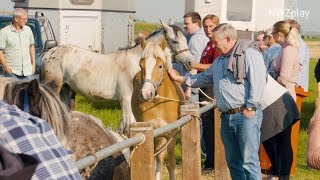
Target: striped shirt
{"points": [[22, 133]]}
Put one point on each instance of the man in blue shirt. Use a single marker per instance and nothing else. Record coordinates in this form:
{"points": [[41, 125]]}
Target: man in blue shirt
{"points": [[238, 80], [271, 52]]}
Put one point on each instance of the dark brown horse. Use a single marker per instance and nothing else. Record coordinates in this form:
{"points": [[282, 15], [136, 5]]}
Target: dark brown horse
{"points": [[153, 81], [81, 133]]}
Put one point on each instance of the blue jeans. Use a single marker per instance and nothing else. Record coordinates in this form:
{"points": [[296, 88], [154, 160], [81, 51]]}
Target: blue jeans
{"points": [[27, 78], [241, 138]]}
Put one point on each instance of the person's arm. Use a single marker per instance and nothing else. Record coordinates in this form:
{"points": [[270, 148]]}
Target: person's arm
{"points": [[256, 75], [33, 58], [201, 67], [3, 62], [198, 80], [175, 76]]}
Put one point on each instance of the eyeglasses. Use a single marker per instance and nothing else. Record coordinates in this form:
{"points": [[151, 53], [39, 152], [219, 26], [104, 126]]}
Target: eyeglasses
{"points": [[23, 19], [265, 37]]}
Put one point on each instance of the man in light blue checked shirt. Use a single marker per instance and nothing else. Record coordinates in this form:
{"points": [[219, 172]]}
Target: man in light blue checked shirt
{"points": [[239, 78], [17, 51], [22, 133]]}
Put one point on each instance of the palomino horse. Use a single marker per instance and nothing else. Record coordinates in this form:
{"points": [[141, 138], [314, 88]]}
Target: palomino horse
{"points": [[70, 127], [103, 77], [152, 80]]}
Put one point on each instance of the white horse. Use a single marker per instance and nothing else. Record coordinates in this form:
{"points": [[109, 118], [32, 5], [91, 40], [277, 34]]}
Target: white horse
{"points": [[103, 77]]}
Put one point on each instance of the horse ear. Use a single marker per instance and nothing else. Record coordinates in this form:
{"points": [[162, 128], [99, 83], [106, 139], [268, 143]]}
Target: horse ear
{"points": [[34, 90], [163, 43], [168, 30], [164, 25], [143, 43]]}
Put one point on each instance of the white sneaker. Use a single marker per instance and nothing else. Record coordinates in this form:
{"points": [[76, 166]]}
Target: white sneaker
{"points": [[272, 177]]}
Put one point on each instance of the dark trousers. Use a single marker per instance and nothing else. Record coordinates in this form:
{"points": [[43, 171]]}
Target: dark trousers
{"points": [[279, 151], [208, 137]]}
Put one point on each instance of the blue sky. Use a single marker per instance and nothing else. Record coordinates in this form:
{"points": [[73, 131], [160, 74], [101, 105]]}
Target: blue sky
{"points": [[153, 10]]}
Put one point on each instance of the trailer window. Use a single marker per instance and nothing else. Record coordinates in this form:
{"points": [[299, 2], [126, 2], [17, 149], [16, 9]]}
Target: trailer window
{"points": [[82, 2], [46, 30], [239, 10]]}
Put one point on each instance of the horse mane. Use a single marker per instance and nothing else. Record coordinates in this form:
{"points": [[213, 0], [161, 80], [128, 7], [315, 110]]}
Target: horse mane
{"points": [[175, 28], [154, 50], [51, 108]]}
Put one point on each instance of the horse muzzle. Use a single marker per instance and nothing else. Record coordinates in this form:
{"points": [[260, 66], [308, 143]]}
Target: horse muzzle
{"points": [[148, 92]]}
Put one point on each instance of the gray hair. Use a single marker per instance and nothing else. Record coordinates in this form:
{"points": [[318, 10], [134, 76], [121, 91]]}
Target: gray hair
{"points": [[225, 30], [18, 12]]}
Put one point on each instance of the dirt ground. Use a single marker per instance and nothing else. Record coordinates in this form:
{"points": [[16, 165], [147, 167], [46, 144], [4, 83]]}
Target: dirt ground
{"points": [[208, 175], [314, 47]]}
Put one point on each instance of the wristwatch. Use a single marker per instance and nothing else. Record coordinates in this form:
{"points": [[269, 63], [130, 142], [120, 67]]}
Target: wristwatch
{"points": [[250, 108]]}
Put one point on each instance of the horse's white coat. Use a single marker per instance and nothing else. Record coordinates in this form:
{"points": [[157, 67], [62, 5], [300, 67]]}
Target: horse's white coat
{"points": [[103, 77]]}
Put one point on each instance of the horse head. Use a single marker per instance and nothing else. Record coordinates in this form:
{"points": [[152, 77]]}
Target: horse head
{"points": [[39, 101], [178, 45], [153, 63]]}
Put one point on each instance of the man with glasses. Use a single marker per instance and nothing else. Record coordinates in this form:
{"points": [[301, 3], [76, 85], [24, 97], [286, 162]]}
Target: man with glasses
{"points": [[17, 51]]}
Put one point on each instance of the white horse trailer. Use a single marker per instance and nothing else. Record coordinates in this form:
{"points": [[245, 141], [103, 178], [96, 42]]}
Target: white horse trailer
{"points": [[247, 16], [97, 25]]}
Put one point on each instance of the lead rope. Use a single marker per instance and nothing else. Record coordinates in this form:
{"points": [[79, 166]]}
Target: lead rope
{"points": [[87, 172], [162, 148], [198, 102], [144, 139]]}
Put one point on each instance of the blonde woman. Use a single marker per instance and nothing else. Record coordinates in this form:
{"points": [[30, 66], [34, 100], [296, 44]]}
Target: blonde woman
{"points": [[286, 65]]}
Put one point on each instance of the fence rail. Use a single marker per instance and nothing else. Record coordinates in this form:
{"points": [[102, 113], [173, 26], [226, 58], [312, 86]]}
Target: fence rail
{"points": [[90, 160]]}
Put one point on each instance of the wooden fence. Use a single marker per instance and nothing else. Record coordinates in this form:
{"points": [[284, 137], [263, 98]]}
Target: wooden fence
{"points": [[144, 134]]}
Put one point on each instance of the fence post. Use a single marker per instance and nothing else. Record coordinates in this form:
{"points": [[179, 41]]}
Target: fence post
{"points": [[142, 160], [221, 170], [190, 140]]}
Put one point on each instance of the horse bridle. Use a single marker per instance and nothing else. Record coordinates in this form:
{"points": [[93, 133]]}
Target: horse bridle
{"points": [[155, 84], [174, 52]]}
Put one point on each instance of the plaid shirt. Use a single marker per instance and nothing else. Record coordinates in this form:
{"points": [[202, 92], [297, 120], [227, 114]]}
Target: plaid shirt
{"points": [[22, 133]]}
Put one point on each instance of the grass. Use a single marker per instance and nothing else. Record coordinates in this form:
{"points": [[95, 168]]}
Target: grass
{"points": [[110, 112], [144, 26]]}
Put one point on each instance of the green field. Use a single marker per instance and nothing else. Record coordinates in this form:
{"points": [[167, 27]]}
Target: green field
{"points": [[110, 112]]}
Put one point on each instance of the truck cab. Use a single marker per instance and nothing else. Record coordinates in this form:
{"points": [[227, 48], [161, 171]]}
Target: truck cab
{"points": [[44, 37]]}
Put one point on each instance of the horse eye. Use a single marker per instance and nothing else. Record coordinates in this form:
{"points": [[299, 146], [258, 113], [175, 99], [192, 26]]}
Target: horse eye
{"points": [[160, 66], [175, 42]]}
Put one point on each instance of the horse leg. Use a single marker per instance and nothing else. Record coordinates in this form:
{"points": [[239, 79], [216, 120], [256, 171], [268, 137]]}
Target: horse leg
{"points": [[65, 95], [73, 100], [171, 160], [159, 142], [127, 115]]}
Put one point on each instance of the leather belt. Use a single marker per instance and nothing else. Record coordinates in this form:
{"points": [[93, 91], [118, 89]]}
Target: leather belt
{"points": [[237, 110]]}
